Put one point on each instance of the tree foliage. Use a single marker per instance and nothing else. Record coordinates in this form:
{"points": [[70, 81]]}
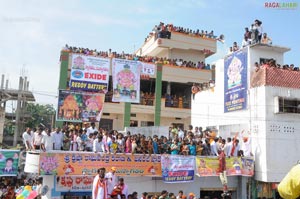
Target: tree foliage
{"points": [[41, 115]]}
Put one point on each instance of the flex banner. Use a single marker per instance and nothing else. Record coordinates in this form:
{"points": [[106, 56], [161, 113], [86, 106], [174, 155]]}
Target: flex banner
{"points": [[9, 161], [89, 73], [87, 163], [177, 168], [126, 80], [235, 82], [209, 166], [79, 107]]}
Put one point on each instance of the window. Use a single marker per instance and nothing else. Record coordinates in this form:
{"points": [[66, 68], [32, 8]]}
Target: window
{"points": [[288, 105], [147, 123], [133, 123]]}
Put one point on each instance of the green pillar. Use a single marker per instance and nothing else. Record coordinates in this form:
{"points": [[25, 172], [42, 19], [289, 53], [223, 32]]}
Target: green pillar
{"points": [[63, 76], [158, 85], [127, 114]]}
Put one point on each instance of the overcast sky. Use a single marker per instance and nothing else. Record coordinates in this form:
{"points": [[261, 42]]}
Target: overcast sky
{"points": [[32, 32]]}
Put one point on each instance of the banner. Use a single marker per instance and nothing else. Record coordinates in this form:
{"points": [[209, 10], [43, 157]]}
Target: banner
{"points": [[235, 82], [87, 163], [148, 69], [9, 161], [126, 80], [89, 73], [177, 168], [74, 183], [79, 107], [209, 166]]}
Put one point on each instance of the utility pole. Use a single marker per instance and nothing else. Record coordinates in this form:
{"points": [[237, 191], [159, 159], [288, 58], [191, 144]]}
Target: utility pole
{"points": [[18, 112], [2, 111]]}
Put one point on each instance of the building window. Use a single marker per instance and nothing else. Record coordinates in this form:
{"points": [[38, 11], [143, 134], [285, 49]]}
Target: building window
{"points": [[147, 123], [289, 105], [133, 123]]}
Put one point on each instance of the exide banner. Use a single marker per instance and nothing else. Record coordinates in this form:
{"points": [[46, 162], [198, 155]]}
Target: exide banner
{"points": [[89, 73], [177, 168]]}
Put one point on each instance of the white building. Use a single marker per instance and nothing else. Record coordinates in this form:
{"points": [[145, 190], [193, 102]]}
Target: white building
{"points": [[270, 113]]}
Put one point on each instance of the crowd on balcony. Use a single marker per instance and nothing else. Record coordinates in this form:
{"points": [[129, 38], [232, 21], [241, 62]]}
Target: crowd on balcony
{"points": [[163, 30], [147, 59], [176, 101], [192, 141], [271, 63]]}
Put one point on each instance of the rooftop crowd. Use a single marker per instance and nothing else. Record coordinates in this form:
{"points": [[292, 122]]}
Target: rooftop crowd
{"points": [[271, 63], [253, 35], [192, 141], [163, 30], [147, 59]]}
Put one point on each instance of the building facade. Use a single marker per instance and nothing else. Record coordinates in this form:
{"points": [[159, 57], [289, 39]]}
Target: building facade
{"points": [[270, 117]]}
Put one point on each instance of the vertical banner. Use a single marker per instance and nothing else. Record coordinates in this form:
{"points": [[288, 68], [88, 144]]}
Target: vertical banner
{"points": [[89, 73], [126, 80], [79, 107], [177, 169], [9, 161], [235, 82]]}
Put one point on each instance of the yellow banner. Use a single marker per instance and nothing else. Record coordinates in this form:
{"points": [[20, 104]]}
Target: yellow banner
{"points": [[209, 166], [78, 163]]}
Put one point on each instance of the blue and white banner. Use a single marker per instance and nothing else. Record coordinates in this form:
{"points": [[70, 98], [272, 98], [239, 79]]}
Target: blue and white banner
{"points": [[235, 82], [177, 168], [89, 73]]}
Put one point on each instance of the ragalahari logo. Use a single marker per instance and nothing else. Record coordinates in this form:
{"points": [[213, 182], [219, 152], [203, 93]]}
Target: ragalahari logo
{"points": [[281, 5]]}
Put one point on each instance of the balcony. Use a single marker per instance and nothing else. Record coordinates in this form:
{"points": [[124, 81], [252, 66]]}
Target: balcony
{"points": [[169, 107], [179, 46]]}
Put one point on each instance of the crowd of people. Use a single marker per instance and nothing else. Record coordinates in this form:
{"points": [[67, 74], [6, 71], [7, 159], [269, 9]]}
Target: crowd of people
{"points": [[271, 63], [252, 35], [89, 138], [163, 30], [107, 185], [147, 59]]}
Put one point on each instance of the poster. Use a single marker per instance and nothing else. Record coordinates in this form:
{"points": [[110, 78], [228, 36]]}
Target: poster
{"points": [[235, 166], [9, 160], [79, 107], [177, 168], [126, 80], [235, 82], [87, 163], [148, 68], [89, 73], [74, 183]]}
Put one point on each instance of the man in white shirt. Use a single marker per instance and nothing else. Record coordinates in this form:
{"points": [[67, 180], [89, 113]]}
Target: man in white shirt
{"points": [[57, 139], [37, 139], [246, 42], [47, 141], [98, 145], [213, 147], [91, 129], [111, 180], [89, 143], [228, 147], [27, 139], [180, 133], [99, 190], [246, 147]]}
